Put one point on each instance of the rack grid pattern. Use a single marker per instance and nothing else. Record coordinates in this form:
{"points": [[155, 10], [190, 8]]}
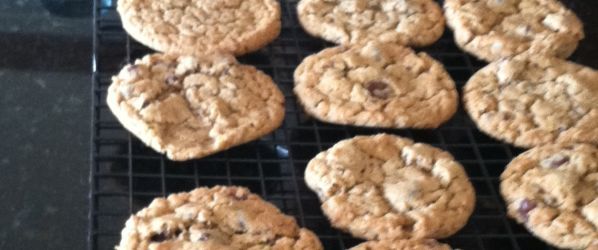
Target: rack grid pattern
{"points": [[126, 175]]}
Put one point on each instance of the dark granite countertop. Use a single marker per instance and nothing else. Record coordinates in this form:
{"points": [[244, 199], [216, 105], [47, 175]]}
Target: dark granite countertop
{"points": [[45, 64]]}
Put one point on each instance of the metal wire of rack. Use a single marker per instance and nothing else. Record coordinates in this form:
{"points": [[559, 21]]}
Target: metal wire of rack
{"points": [[126, 175]]}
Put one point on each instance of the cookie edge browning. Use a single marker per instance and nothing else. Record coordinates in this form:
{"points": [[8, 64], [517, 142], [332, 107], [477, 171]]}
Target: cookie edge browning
{"points": [[131, 121], [318, 31], [512, 168], [305, 241], [258, 39], [311, 180], [564, 51], [434, 122]]}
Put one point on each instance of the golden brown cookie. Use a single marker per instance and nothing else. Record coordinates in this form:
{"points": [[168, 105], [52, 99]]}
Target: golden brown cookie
{"points": [[189, 107], [214, 218], [553, 191], [495, 29], [385, 187], [376, 85], [199, 27], [405, 22], [531, 101]]}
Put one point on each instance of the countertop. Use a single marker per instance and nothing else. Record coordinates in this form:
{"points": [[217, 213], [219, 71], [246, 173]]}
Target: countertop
{"points": [[45, 72]]}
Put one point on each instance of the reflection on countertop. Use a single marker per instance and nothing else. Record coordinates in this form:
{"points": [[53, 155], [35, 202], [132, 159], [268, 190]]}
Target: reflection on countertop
{"points": [[45, 63]]}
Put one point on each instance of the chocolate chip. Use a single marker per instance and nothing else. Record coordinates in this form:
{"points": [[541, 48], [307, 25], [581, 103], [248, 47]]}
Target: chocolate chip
{"points": [[178, 232], [558, 160], [525, 207], [270, 242], [159, 237], [242, 228], [204, 237], [408, 227], [241, 197], [171, 79], [379, 89], [144, 104]]}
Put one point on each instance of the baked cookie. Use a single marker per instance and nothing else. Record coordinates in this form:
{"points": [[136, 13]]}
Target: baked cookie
{"points": [[199, 27], [553, 191], [530, 101], [189, 107], [376, 85], [214, 218], [385, 187], [494, 29], [406, 22], [422, 244]]}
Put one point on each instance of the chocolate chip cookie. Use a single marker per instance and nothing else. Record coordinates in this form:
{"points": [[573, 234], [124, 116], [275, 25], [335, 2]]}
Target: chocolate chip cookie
{"points": [[376, 85], [405, 22], [495, 29], [198, 27], [385, 187], [530, 101], [214, 218], [189, 107], [553, 191], [421, 244]]}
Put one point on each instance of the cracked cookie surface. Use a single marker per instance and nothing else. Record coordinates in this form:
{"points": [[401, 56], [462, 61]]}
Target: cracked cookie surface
{"points": [[214, 218], [376, 85], [198, 27], [553, 191], [189, 107], [531, 101], [405, 22], [385, 187], [495, 29], [421, 244]]}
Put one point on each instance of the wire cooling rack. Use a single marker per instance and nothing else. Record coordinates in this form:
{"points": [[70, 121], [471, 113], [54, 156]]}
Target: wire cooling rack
{"points": [[126, 175]]}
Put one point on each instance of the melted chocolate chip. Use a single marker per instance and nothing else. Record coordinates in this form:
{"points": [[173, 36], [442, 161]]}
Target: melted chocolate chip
{"points": [[163, 236], [379, 89], [144, 104], [558, 161], [159, 237], [525, 207]]}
